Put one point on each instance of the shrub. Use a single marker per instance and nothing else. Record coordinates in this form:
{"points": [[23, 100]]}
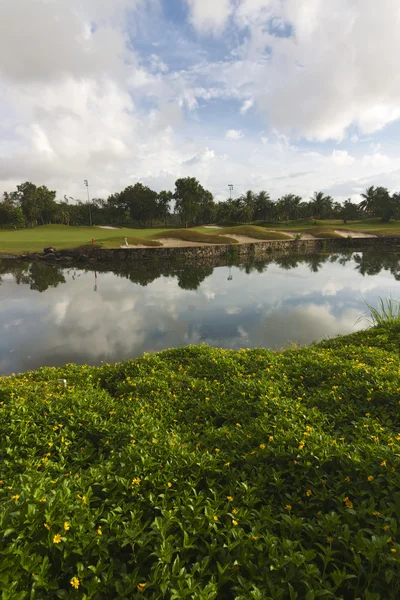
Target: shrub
{"points": [[205, 473]]}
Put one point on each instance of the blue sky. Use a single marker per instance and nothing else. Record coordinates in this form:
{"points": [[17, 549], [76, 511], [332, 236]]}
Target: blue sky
{"points": [[279, 95]]}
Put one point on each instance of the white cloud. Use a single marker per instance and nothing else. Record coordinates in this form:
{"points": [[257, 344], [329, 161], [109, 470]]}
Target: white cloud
{"points": [[234, 134], [209, 15], [342, 157], [80, 99], [247, 104]]}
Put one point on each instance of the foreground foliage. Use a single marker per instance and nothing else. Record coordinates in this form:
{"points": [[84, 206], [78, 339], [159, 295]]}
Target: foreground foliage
{"points": [[204, 473]]}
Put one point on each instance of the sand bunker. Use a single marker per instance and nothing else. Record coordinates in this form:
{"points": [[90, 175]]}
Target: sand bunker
{"points": [[354, 234], [173, 243]]}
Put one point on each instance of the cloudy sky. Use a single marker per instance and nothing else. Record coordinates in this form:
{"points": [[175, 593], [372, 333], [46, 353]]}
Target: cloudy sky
{"points": [[283, 95]]}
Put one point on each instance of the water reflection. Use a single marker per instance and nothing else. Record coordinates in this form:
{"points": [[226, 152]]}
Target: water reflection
{"points": [[189, 276], [52, 314]]}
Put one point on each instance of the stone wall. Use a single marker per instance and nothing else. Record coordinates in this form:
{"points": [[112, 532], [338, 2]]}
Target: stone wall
{"points": [[253, 250]]}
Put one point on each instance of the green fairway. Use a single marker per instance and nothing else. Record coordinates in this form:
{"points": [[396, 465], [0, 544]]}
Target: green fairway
{"points": [[63, 236]]}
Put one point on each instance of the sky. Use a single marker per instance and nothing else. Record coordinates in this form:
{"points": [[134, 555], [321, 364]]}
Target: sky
{"points": [[290, 96]]}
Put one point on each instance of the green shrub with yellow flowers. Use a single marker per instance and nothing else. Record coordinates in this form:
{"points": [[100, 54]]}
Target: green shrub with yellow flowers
{"points": [[205, 473]]}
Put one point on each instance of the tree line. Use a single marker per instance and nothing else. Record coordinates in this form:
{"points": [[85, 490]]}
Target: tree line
{"points": [[40, 276], [190, 204]]}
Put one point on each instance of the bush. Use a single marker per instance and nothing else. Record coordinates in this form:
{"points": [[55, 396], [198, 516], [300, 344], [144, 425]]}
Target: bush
{"points": [[205, 473]]}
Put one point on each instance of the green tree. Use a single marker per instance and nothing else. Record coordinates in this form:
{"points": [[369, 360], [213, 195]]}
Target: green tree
{"points": [[321, 205], [350, 210], [377, 202], [192, 201], [263, 206]]}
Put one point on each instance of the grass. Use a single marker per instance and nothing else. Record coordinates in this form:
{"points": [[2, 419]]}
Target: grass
{"points": [[64, 237], [205, 473], [193, 235], [252, 231], [324, 233], [385, 314]]}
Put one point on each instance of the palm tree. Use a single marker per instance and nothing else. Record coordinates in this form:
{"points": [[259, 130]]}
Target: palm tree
{"points": [[368, 204], [378, 202], [321, 205], [249, 200], [263, 203]]}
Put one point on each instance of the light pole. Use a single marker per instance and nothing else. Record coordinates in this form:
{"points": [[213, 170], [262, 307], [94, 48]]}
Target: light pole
{"points": [[88, 197], [230, 186]]}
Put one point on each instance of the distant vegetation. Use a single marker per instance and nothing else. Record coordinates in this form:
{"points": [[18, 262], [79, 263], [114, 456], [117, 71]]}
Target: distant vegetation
{"points": [[188, 205]]}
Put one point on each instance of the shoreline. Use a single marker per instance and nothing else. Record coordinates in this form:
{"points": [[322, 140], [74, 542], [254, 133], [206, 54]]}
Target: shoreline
{"points": [[198, 250]]}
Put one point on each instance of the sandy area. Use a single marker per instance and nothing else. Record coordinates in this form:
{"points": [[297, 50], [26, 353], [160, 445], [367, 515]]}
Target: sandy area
{"points": [[173, 243], [242, 239], [304, 236], [138, 246], [107, 227], [212, 227], [354, 234]]}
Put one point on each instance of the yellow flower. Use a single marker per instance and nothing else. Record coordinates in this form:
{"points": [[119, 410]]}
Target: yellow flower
{"points": [[67, 526], [141, 587], [254, 537], [329, 539], [169, 484], [370, 478], [99, 531], [262, 446], [42, 499], [288, 507], [393, 550], [301, 445], [215, 518], [235, 511], [75, 583], [347, 478], [228, 464], [383, 463], [133, 441], [154, 441], [47, 526], [229, 498], [136, 481], [57, 539], [271, 438], [308, 493], [238, 425], [386, 527], [15, 497], [376, 513], [348, 502], [234, 522]]}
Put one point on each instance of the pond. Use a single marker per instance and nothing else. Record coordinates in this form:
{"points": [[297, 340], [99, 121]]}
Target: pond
{"points": [[51, 315]]}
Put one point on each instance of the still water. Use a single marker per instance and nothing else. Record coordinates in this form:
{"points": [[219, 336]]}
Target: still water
{"points": [[51, 315]]}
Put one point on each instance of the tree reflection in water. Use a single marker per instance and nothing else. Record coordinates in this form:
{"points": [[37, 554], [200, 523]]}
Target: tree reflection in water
{"points": [[41, 276]]}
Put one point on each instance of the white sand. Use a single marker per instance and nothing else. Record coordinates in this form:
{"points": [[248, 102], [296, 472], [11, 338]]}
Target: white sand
{"points": [[107, 227], [304, 236], [173, 243], [242, 239], [354, 234]]}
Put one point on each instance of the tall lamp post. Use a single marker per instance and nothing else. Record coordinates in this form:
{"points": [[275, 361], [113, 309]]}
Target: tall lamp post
{"points": [[88, 197], [230, 186]]}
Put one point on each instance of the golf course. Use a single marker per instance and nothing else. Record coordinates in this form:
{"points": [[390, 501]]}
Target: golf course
{"points": [[66, 237]]}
